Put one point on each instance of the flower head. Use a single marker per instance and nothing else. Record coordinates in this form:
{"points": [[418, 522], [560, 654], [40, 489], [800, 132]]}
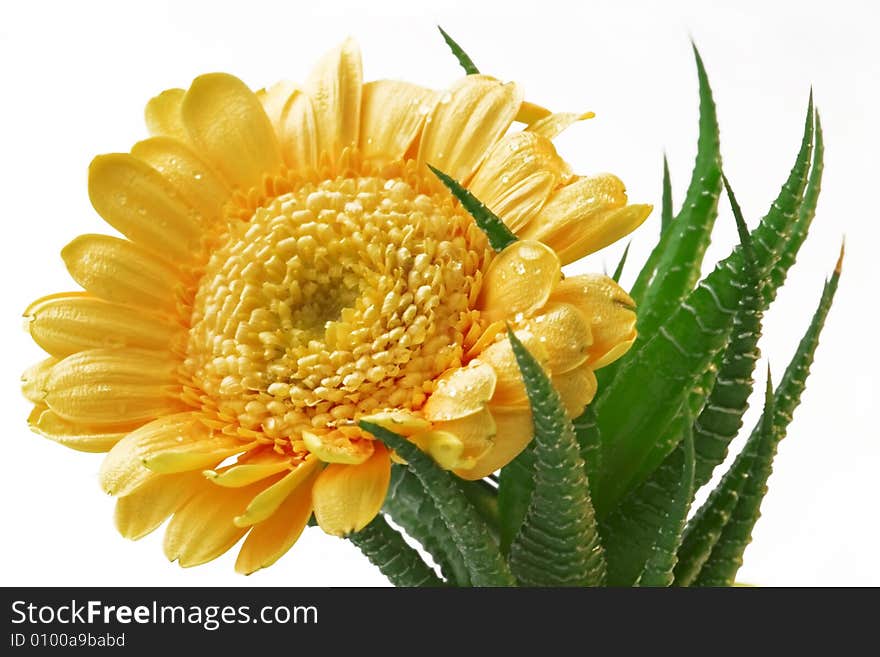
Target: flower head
{"points": [[291, 266]]}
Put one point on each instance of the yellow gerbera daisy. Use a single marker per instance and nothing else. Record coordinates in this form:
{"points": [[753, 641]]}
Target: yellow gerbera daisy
{"points": [[291, 267]]}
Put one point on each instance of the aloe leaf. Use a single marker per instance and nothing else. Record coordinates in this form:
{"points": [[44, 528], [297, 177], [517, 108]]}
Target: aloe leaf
{"points": [[466, 63], [413, 509], [646, 275], [726, 556], [678, 268], [629, 532], [666, 203], [500, 236], [470, 532], [385, 548], [661, 562], [516, 483], [515, 486], [558, 543], [619, 269], [707, 526], [676, 356], [806, 212]]}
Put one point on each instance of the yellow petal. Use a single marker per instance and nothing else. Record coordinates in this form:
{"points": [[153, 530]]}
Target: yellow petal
{"points": [[510, 389], [336, 447], [267, 502], [226, 122], [517, 177], [530, 112], [444, 447], [519, 280], [552, 125], [112, 386], [299, 133], [513, 433], [576, 388], [180, 434], [273, 100], [162, 115], [467, 120], [203, 528], [189, 175], [137, 201], [599, 234], [75, 435], [119, 271], [65, 323], [392, 117], [570, 212], [245, 474], [608, 309], [461, 392], [348, 497], [565, 333], [151, 503], [272, 538], [399, 421], [334, 87], [475, 433], [35, 379]]}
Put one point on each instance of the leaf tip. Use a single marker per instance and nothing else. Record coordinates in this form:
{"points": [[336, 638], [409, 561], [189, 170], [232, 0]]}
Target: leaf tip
{"points": [[839, 266]]}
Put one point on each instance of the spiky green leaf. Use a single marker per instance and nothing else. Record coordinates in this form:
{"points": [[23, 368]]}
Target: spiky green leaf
{"points": [[666, 202], [706, 527], [515, 486], [678, 267], [470, 532], [466, 63], [385, 548], [661, 561], [558, 543], [618, 271], [500, 236], [413, 509], [664, 370]]}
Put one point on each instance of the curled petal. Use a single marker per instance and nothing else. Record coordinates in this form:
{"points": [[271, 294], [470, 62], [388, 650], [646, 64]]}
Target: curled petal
{"points": [[513, 432], [517, 177], [510, 389], [474, 433], [299, 132], [273, 100], [400, 422], [607, 230], [519, 280], [565, 334], [271, 539], [576, 388], [336, 447], [475, 112], [334, 87], [245, 474], [35, 379], [609, 310], [268, 501], [348, 497], [552, 125], [461, 392], [227, 124], [162, 115], [392, 117]]}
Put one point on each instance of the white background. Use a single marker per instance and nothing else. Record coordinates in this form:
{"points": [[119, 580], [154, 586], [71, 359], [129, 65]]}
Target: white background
{"points": [[76, 76]]}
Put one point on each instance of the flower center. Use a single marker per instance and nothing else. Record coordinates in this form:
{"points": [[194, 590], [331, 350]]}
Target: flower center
{"points": [[341, 298]]}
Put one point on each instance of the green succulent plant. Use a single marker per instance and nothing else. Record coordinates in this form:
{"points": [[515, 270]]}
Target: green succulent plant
{"points": [[605, 500]]}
